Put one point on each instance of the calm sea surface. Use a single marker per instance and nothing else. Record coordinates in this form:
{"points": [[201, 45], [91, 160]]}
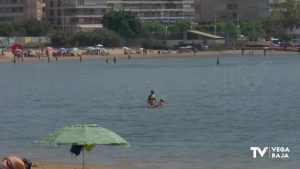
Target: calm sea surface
{"points": [[214, 113]]}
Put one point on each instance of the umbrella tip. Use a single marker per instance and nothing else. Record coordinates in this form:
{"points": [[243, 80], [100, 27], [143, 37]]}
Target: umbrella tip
{"points": [[84, 125]]}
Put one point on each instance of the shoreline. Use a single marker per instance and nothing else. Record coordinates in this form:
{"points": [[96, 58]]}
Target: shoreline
{"points": [[52, 165], [118, 53]]}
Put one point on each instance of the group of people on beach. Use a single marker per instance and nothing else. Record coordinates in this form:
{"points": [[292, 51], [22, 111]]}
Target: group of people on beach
{"points": [[14, 162], [151, 101]]}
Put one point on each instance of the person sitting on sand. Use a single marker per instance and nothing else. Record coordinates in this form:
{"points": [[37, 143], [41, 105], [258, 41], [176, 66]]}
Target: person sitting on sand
{"points": [[14, 162], [151, 98]]}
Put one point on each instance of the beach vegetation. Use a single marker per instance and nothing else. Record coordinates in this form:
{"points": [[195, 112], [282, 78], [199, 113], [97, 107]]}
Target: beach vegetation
{"points": [[152, 43], [106, 37], [179, 27], [206, 28], [30, 27], [34, 45], [253, 29], [36, 28], [122, 22], [228, 30], [291, 14], [153, 30], [280, 20]]}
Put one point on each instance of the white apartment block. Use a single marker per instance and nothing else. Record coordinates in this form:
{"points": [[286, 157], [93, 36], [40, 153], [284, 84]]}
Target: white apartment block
{"points": [[75, 15], [164, 11], [19, 10], [231, 10]]}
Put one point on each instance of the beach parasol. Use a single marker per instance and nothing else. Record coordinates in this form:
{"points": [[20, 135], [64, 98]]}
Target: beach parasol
{"points": [[89, 48], [49, 48], [15, 48], [84, 135], [75, 49], [99, 45]]}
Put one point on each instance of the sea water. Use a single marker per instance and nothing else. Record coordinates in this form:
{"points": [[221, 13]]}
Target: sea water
{"points": [[214, 114]]}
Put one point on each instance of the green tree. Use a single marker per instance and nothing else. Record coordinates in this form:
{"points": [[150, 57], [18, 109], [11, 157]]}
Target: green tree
{"points": [[61, 38], [205, 28], [122, 22], [34, 27], [12, 29], [291, 14], [153, 30], [179, 27], [274, 25], [30, 27], [68, 39], [108, 38], [253, 29], [228, 30]]}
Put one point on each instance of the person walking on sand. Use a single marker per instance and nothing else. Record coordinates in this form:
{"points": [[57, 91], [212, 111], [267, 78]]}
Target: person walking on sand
{"points": [[47, 53]]}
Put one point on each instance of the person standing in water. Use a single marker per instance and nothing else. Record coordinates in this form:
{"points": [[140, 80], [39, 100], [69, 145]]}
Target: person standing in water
{"points": [[218, 61], [151, 98], [115, 60]]}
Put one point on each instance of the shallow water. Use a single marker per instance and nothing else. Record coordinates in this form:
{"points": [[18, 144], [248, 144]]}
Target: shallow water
{"points": [[213, 116]]}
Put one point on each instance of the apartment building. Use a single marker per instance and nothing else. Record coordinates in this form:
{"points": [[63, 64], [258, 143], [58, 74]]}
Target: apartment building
{"points": [[75, 15], [276, 4], [19, 10], [164, 11], [231, 10]]}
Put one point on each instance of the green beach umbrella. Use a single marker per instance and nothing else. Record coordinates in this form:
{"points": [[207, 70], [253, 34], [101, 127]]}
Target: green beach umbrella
{"points": [[85, 135]]}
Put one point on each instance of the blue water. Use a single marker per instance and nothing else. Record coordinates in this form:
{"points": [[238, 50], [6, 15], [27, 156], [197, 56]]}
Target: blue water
{"points": [[213, 116]]}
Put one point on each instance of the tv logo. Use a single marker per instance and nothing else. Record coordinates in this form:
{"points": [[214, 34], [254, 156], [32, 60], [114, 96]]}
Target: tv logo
{"points": [[260, 152], [273, 152]]}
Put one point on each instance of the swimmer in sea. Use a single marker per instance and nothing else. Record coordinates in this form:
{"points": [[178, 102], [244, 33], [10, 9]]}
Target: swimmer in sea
{"points": [[151, 98], [162, 103]]}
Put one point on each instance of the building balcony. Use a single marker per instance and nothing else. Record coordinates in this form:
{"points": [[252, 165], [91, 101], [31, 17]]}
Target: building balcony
{"points": [[151, 2]]}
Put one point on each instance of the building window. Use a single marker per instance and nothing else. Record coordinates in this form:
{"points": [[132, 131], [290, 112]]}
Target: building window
{"points": [[232, 6], [51, 12], [51, 3]]}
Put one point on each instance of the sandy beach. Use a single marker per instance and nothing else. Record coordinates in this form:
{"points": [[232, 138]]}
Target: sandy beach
{"points": [[50, 165], [119, 54]]}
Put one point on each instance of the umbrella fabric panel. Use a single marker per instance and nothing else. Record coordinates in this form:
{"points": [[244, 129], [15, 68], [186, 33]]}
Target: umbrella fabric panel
{"points": [[82, 135]]}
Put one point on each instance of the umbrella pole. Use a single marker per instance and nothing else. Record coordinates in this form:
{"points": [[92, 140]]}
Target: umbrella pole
{"points": [[82, 158]]}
